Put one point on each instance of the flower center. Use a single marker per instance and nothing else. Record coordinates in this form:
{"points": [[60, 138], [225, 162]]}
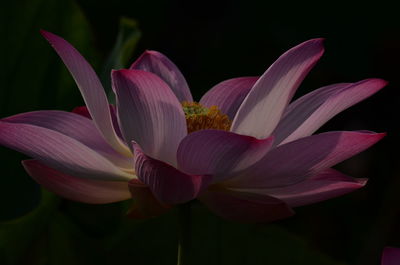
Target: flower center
{"points": [[199, 117]]}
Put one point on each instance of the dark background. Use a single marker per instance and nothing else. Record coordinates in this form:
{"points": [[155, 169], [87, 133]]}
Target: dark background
{"points": [[210, 41]]}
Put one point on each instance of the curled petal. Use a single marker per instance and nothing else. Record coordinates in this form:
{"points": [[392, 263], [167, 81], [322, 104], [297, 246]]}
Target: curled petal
{"points": [[91, 89], [245, 207], [307, 114], [264, 105], [76, 189], [168, 184], [157, 63], [293, 162], [229, 94], [59, 151], [219, 153], [149, 113]]}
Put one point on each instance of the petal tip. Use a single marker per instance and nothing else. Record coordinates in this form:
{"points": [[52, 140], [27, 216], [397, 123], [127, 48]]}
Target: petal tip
{"points": [[146, 55], [151, 52], [381, 82], [377, 82], [380, 136], [131, 72], [48, 35], [317, 42], [115, 72], [372, 136], [361, 182], [318, 45], [121, 73], [43, 32]]}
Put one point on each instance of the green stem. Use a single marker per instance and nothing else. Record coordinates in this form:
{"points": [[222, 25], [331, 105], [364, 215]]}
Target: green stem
{"points": [[184, 247]]}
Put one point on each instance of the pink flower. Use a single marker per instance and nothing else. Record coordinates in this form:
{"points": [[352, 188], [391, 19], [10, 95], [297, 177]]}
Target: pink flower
{"points": [[391, 256], [244, 151]]}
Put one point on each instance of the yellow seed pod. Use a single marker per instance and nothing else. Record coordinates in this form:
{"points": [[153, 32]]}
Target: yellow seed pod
{"points": [[199, 117]]}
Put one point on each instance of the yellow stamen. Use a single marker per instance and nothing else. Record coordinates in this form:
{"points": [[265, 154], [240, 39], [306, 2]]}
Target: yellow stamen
{"points": [[199, 117]]}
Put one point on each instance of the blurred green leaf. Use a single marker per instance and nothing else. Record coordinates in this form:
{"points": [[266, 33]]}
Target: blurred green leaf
{"points": [[34, 75], [127, 39], [217, 241], [34, 78], [268, 244], [17, 236], [68, 244], [152, 241]]}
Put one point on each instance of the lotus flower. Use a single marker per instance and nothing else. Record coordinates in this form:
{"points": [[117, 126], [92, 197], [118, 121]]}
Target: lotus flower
{"points": [[391, 256], [243, 150]]}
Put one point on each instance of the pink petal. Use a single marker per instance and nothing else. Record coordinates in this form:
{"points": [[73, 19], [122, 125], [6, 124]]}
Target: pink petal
{"points": [[229, 94], [145, 205], [307, 114], [293, 162], [219, 153], [149, 113], [84, 111], [263, 107], [76, 127], [91, 89], [245, 207], [391, 256], [299, 110], [59, 151], [168, 184], [325, 185], [159, 64], [76, 189]]}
